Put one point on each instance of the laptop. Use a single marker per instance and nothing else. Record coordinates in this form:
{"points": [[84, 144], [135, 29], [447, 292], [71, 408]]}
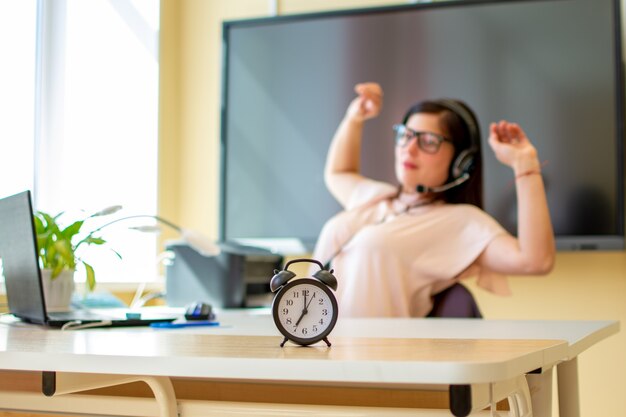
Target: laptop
{"points": [[24, 288]]}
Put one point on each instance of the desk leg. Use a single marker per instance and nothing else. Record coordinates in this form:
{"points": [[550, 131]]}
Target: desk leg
{"points": [[164, 394], [58, 383], [540, 386], [467, 399], [567, 385]]}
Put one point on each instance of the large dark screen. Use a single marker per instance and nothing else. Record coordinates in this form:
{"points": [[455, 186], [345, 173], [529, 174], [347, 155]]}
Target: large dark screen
{"points": [[553, 66]]}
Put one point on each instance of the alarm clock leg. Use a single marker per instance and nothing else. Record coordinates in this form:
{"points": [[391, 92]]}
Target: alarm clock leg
{"points": [[327, 342], [284, 341]]}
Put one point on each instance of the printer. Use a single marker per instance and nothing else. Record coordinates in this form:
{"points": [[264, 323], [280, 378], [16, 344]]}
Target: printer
{"points": [[238, 276]]}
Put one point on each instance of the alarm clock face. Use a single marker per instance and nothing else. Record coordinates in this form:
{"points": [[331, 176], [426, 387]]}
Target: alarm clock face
{"points": [[305, 311]]}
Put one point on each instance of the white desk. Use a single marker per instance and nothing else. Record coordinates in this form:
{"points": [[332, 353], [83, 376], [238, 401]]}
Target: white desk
{"points": [[488, 356]]}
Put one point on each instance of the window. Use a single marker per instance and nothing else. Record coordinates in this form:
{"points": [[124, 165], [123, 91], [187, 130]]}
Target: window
{"points": [[96, 117], [17, 74]]}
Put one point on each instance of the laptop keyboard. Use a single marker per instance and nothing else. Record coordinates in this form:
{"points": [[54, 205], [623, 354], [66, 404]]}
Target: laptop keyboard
{"points": [[78, 315]]}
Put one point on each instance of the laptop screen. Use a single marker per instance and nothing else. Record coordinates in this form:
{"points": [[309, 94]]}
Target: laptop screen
{"points": [[18, 250]]}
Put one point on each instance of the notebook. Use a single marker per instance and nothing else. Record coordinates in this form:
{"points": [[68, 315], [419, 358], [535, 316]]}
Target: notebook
{"points": [[24, 288]]}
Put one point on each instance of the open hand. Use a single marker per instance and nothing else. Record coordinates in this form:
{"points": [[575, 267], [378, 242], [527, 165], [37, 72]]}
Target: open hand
{"points": [[510, 143], [368, 104]]}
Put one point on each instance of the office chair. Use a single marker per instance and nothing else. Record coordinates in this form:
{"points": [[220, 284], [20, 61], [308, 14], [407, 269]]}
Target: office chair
{"points": [[453, 302]]}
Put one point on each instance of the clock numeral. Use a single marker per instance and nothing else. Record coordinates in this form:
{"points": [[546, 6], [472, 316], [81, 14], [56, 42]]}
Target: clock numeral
{"points": [[296, 294], [285, 311], [321, 302], [289, 302], [324, 312], [322, 322], [305, 330], [288, 321], [305, 293], [314, 328]]}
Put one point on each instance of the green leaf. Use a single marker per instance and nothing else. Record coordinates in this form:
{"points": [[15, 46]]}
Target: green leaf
{"points": [[95, 241], [41, 243], [56, 271], [63, 248], [39, 227], [65, 253], [50, 255], [72, 229], [50, 222], [91, 276], [117, 253]]}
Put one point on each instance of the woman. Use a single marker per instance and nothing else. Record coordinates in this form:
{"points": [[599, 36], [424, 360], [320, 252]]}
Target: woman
{"points": [[394, 248]]}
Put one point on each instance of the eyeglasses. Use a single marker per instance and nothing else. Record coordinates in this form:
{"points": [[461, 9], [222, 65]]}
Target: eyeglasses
{"points": [[429, 142]]}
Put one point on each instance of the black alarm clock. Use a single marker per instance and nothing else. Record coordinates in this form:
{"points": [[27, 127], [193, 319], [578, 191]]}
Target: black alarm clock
{"points": [[304, 309]]}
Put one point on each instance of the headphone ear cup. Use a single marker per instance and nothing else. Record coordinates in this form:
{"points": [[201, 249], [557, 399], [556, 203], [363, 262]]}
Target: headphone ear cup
{"points": [[280, 278], [463, 164], [327, 278]]}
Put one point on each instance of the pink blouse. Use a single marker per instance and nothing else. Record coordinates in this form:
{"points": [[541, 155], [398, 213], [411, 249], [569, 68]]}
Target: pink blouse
{"points": [[391, 255]]}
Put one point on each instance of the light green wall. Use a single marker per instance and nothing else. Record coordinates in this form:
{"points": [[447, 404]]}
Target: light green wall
{"points": [[582, 285]]}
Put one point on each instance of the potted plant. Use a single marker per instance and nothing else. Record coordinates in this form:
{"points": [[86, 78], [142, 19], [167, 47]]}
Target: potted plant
{"points": [[57, 246]]}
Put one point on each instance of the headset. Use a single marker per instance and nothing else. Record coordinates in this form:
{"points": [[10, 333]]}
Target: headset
{"points": [[464, 163]]}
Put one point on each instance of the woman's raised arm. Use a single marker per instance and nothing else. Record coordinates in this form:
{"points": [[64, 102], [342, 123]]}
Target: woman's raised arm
{"points": [[342, 170], [533, 251]]}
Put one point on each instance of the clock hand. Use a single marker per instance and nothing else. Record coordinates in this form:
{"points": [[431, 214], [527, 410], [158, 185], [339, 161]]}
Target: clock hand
{"points": [[303, 311], [301, 315], [306, 308]]}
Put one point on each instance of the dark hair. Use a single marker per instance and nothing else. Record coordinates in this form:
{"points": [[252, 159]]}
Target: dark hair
{"points": [[456, 129]]}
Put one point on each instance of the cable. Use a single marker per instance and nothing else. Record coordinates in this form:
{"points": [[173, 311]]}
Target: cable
{"points": [[137, 297], [143, 300], [78, 325]]}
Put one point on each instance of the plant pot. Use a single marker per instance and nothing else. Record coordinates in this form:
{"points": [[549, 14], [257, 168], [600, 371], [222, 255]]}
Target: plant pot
{"points": [[58, 291]]}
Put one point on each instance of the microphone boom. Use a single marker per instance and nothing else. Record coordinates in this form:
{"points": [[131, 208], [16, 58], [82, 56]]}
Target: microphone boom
{"points": [[441, 188]]}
